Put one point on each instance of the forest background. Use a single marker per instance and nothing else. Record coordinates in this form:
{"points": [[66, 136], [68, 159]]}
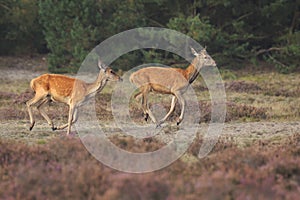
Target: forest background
{"points": [[236, 32]]}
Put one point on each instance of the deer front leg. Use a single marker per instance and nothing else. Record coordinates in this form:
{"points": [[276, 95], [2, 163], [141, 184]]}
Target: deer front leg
{"points": [[71, 113], [74, 119], [146, 108], [182, 103], [173, 103], [37, 98], [40, 108]]}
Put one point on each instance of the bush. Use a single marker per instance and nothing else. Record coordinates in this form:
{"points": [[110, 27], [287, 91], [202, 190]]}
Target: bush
{"points": [[20, 31], [63, 169], [71, 30]]}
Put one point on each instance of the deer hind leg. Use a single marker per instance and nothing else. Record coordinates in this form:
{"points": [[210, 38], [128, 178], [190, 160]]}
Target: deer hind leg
{"points": [[36, 99], [137, 97], [146, 109], [182, 103], [141, 94], [173, 103], [40, 108]]}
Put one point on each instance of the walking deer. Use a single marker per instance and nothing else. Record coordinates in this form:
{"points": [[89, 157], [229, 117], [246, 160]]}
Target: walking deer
{"points": [[174, 81], [71, 91]]}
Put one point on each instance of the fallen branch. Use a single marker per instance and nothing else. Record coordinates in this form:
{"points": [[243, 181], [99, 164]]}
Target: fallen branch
{"points": [[277, 62], [268, 50]]}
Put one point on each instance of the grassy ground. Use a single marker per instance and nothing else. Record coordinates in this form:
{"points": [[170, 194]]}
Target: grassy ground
{"points": [[256, 157]]}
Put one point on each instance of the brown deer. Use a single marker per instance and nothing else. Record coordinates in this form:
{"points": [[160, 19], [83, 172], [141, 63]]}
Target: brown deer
{"points": [[173, 81], [71, 91]]}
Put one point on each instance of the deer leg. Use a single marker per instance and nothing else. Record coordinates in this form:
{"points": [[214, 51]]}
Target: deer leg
{"points": [[70, 120], [182, 103], [74, 118], [149, 113], [37, 98], [138, 95], [142, 94], [40, 108], [173, 103], [146, 108]]}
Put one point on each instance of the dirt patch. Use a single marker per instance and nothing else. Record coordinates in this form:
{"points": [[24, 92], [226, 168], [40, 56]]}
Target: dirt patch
{"points": [[242, 86], [7, 95], [24, 97], [241, 111], [11, 114], [33, 62], [235, 111], [285, 92]]}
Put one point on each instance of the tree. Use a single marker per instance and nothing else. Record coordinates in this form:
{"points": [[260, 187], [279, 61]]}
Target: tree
{"points": [[20, 31], [71, 29]]}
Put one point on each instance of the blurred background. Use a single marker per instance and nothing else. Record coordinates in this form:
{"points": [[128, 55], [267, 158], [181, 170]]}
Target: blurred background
{"points": [[236, 33]]}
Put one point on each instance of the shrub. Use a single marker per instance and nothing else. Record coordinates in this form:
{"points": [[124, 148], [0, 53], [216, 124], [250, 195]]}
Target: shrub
{"points": [[20, 31], [71, 29]]}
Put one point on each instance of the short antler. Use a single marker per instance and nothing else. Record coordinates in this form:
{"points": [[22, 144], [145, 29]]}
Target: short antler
{"points": [[194, 52], [101, 65]]}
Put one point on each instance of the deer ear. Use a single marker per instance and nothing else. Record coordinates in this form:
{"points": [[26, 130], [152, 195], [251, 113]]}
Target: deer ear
{"points": [[203, 50], [101, 65], [194, 52]]}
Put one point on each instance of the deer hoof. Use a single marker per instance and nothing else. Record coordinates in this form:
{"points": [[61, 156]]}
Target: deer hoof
{"points": [[31, 126], [158, 125], [146, 116], [54, 128], [178, 121]]}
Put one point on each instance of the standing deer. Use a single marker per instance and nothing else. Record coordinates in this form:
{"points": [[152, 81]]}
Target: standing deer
{"points": [[174, 81], [71, 91]]}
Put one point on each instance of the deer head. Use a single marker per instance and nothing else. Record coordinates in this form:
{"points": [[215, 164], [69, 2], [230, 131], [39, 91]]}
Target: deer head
{"points": [[110, 74], [203, 59]]}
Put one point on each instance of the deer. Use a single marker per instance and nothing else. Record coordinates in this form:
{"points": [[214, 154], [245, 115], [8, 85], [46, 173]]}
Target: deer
{"points": [[71, 91], [173, 81]]}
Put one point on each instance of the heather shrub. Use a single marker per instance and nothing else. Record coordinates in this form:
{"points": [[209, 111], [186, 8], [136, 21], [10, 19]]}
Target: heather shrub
{"points": [[63, 169], [242, 86]]}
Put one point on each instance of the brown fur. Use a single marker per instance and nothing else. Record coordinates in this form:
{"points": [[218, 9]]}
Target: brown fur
{"points": [[71, 91], [172, 81]]}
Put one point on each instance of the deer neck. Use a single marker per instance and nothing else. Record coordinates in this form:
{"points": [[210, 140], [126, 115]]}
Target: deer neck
{"points": [[192, 71], [98, 85]]}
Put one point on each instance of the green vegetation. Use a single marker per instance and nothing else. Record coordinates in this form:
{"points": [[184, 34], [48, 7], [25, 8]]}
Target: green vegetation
{"points": [[71, 28], [235, 33]]}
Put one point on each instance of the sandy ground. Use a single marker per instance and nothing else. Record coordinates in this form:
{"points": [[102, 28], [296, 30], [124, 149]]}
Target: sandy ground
{"points": [[18, 129]]}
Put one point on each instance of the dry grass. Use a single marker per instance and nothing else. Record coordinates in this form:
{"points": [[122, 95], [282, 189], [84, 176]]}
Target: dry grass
{"points": [[252, 161]]}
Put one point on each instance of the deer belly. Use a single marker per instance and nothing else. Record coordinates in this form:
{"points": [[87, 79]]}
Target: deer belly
{"points": [[62, 99], [161, 89]]}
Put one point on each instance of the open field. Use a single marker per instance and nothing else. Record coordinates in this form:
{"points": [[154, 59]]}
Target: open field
{"points": [[256, 157]]}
